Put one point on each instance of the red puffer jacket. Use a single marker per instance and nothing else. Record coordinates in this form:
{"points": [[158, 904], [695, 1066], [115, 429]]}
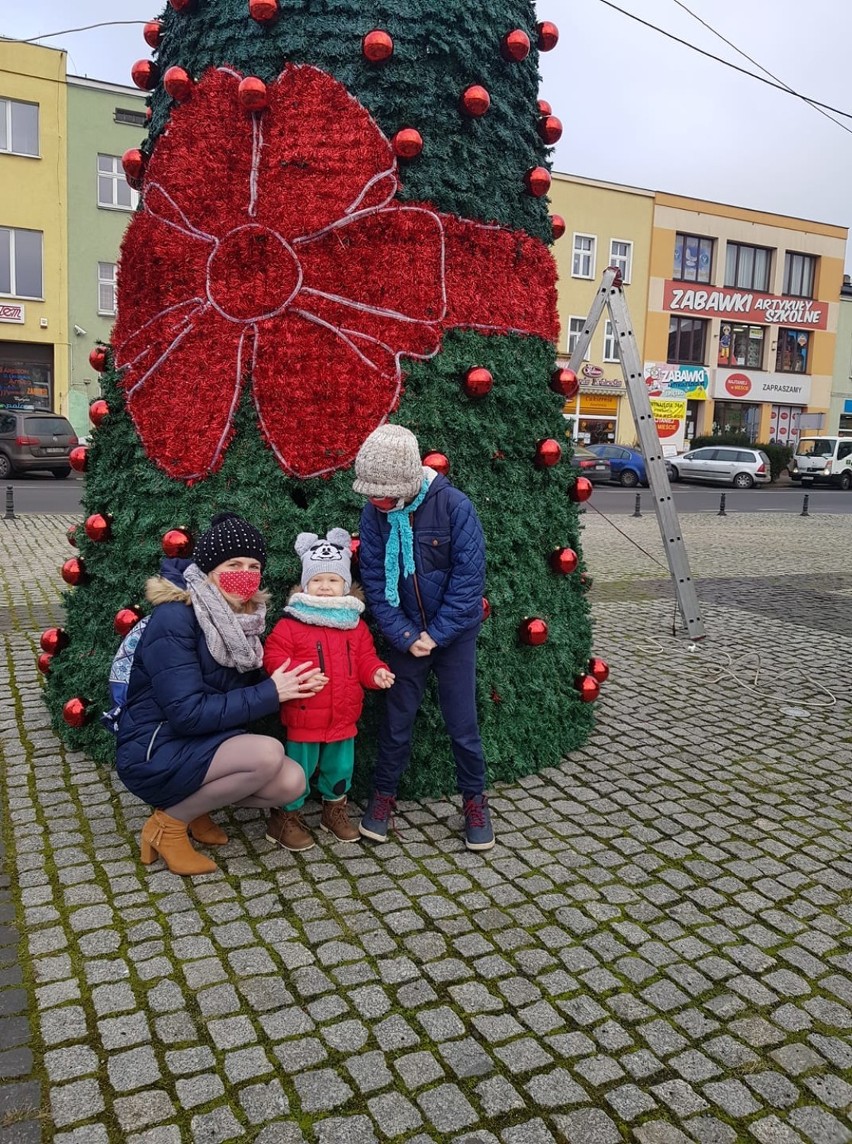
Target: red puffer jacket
{"points": [[348, 658]]}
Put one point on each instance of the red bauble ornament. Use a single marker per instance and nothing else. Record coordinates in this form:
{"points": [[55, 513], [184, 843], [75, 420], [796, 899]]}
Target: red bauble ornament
{"points": [[145, 74], [564, 561], [74, 712], [252, 94], [125, 620], [581, 490], [588, 688], [178, 83], [98, 359], [550, 129], [153, 33], [516, 46], [557, 223], [599, 669], [43, 662], [71, 535], [486, 608], [548, 453], [180, 5], [478, 382], [538, 181], [565, 382], [407, 143], [77, 458], [548, 36], [475, 101], [544, 108], [355, 550], [98, 527], [149, 114], [532, 632], [133, 162], [54, 640], [438, 462], [585, 581], [263, 10], [177, 543], [74, 571], [98, 412], [377, 46]]}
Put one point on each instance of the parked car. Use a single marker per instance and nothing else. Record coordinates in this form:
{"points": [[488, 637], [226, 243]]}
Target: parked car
{"points": [[597, 469], [742, 468], [32, 440], [823, 460], [628, 465]]}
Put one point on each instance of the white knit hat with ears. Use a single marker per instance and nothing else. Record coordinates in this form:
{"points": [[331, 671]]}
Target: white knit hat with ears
{"points": [[388, 464], [330, 555]]}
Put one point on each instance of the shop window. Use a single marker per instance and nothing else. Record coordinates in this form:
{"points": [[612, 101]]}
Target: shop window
{"points": [[610, 352], [113, 189], [583, 265], [20, 263], [737, 417], [106, 287], [693, 258], [621, 255], [687, 337], [799, 275], [18, 127], [748, 267], [742, 345], [575, 328], [793, 348]]}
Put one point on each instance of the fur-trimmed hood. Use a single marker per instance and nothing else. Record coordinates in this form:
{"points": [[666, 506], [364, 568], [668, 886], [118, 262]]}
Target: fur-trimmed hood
{"points": [[170, 586]]}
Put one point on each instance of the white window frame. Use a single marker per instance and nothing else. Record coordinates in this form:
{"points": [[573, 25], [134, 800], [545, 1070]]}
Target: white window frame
{"points": [[6, 106], [610, 351], [617, 259], [13, 232], [109, 281], [117, 176], [579, 254], [573, 335]]}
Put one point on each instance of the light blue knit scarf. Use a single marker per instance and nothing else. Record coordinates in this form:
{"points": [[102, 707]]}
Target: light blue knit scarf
{"points": [[401, 540]]}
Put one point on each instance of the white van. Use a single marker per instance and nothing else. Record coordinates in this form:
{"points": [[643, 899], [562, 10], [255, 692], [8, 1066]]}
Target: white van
{"points": [[823, 460]]}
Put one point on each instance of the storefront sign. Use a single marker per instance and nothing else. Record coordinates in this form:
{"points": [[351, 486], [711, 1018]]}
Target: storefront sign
{"points": [[670, 418], [594, 380], [598, 405], [24, 385], [13, 312], [677, 381], [783, 388], [745, 305]]}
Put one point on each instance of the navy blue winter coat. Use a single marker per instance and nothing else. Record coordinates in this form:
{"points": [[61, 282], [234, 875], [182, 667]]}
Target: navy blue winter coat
{"points": [[181, 704], [444, 596]]}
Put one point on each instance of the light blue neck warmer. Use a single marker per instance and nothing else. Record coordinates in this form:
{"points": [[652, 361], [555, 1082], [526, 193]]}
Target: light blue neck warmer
{"points": [[401, 540]]}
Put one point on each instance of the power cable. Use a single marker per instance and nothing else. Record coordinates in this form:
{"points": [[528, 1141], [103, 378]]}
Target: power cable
{"points": [[84, 28]]}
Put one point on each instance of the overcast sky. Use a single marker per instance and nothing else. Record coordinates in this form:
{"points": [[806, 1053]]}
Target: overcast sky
{"points": [[637, 108]]}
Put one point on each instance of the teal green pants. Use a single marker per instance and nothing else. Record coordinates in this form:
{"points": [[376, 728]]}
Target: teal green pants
{"points": [[334, 763]]}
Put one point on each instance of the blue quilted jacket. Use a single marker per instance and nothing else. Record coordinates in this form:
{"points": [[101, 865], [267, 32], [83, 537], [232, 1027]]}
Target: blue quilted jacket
{"points": [[181, 704], [444, 596]]}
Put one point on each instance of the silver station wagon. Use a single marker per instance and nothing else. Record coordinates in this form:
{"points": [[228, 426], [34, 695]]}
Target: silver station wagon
{"points": [[742, 468]]}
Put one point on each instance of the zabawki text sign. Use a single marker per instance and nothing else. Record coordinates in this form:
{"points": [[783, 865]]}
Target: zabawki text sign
{"points": [[745, 305]]}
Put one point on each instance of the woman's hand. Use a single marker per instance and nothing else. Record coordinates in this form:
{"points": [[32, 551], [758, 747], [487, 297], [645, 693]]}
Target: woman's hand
{"points": [[298, 682]]}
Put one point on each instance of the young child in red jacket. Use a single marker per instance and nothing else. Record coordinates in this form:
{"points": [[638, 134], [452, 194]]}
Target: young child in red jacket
{"points": [[322, 625]]}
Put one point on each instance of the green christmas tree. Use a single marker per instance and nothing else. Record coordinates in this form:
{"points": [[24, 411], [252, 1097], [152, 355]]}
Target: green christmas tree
{"points": [[343, 220]]}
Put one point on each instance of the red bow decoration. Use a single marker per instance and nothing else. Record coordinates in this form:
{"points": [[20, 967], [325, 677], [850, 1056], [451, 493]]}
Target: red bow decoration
{"points": [[271, 245]]}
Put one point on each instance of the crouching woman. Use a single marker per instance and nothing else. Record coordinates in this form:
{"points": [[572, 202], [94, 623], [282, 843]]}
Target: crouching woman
{"points": [[195, 684]]}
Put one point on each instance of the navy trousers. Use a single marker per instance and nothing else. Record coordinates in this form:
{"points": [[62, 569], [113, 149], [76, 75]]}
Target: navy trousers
{"points": [[455, 670]]}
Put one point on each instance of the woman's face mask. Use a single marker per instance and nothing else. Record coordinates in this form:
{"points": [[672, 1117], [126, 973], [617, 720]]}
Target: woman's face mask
{"points": [[242, 583]]}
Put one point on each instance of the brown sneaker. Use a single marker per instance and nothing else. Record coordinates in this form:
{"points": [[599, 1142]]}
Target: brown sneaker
{"points": [[337, 822], [287, 829]]}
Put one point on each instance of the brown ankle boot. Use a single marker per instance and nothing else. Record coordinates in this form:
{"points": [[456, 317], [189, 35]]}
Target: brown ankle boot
{"points": [[168, 837], [204, 830], [337, 822], [287, 829]]}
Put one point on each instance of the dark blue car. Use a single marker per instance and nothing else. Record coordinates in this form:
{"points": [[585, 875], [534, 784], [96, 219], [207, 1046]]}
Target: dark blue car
{"points": [[628, 465]]}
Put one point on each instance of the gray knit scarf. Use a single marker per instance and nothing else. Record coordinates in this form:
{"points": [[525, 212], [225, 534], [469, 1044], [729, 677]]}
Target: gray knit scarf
{"points": [[232, 637]]}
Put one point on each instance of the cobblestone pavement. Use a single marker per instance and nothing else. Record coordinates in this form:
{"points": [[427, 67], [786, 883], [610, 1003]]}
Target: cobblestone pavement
{"points": [[659, 950]]}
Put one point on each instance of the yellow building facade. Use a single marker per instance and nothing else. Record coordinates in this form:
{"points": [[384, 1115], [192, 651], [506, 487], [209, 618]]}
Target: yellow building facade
{"points": [[34, 342]]}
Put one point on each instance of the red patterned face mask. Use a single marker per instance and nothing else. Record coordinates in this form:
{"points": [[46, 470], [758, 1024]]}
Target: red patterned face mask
{"points": [[243, 585]]}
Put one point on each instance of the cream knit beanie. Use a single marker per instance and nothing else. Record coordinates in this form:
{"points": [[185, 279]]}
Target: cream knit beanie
{"points": [[388, 464]]}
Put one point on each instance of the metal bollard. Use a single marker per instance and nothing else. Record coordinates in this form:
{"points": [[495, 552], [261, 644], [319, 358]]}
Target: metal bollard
{"points": [[722, 501], [805, 503], [10, 503], [637, 512]]}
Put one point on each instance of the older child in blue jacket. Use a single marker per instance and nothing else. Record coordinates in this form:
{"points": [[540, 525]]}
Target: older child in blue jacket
{"points": [[423, 572]]}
